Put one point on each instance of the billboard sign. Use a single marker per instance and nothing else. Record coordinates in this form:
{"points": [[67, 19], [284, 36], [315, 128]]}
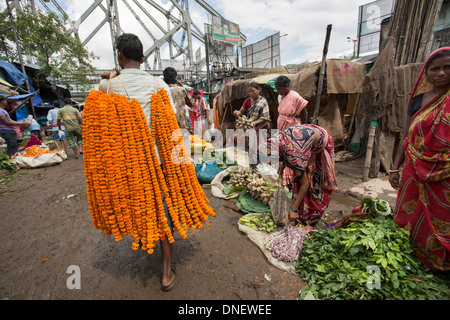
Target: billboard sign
{"points": [[224, 30], [369, 27], [263, 54]]}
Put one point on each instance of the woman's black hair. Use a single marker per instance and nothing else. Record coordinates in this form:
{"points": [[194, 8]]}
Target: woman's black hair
{"points": [[170, 75], [131, 47], [437, 55], [282, 81], [196, 92], [255, 85]]}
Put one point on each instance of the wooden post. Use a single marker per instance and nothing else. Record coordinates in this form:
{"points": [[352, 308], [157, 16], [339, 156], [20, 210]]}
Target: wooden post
{"points": [[355, 111], [372, 132], [315, 119]]}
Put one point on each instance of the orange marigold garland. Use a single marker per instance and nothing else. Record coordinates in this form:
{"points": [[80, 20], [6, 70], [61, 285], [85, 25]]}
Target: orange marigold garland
{"points": [[126, 181]]}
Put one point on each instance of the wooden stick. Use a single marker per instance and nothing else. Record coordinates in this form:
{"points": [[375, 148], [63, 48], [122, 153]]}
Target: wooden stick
{"points": [[315, 119]]}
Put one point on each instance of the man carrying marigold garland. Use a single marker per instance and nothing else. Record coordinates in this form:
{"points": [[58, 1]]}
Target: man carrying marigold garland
{"points": [[134, 83]]}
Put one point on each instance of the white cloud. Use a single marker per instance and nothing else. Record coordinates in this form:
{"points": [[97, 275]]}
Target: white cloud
{"points": [[304, 21]]}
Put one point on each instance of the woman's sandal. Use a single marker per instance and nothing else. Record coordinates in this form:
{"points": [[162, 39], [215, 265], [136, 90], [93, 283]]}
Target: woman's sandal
{"points": [[169, 287]]}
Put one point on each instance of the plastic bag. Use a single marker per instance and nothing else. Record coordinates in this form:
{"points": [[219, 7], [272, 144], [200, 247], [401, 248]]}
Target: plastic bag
{"points": [[260, 238], [207, 171], [44, 160], [218, 189]]}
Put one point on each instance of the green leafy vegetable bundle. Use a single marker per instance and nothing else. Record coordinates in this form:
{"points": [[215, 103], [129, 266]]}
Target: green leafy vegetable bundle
{"points": [[367, 260], [6, 163]]}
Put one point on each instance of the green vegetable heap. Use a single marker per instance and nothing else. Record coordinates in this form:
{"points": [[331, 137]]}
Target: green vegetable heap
{"points": [[6, 163], [366, 260], [259, 223]]}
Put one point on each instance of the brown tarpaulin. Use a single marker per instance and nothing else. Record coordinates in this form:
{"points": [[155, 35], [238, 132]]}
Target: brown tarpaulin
{"points": [[344, 76], [386, 93], [305, 83]]}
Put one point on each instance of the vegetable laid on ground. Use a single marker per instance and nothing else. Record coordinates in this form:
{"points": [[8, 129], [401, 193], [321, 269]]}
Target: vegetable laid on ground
{"points": [[285, 245], [259, 223], [366, 260]]}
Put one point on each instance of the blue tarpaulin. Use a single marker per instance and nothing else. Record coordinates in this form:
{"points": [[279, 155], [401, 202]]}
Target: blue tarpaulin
{"points": [[21, 96], [14, 76]]}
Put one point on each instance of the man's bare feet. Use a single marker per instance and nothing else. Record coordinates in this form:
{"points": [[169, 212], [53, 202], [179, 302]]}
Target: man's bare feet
{"points": [[168, 278]]}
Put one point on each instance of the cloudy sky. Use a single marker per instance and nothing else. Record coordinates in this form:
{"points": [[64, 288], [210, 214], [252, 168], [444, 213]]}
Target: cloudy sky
{"points": [[303, 21]]}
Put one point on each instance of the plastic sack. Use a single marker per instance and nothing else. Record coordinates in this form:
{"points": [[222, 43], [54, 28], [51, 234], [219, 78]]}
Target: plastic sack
{"points": [[218, 188], [260, 238], [43, 160], [207, 171]]}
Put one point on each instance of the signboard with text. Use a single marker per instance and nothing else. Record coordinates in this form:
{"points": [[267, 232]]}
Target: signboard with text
{"points": [[224, 30]]}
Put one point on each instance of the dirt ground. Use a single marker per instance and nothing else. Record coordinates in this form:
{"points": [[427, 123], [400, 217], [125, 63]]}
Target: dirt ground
{"points": [[46, 229]]}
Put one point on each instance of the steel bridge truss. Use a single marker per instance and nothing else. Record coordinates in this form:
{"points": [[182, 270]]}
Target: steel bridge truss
{"points": [[177, 16]]}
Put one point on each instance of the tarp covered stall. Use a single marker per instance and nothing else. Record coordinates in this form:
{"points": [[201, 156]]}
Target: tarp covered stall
{"points": [[386, 93], [17, 78], [346, 78]]}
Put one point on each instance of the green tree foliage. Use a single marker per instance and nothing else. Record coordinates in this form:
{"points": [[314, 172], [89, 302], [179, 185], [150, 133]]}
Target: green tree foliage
{"points": [[44, 37]]}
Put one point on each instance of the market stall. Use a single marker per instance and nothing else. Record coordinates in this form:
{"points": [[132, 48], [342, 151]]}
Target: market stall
{"points": [[363, 255], [343, 85]]}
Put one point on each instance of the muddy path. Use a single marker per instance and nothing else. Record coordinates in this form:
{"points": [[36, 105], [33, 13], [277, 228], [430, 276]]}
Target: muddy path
{"points": [[47, 233]]}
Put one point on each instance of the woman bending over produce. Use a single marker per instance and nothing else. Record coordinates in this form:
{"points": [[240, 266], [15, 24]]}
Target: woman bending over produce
{"points": [[308, 150]]}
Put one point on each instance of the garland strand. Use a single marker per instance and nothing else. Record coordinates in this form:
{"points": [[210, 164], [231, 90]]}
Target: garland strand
{"points": [[125, 180]]}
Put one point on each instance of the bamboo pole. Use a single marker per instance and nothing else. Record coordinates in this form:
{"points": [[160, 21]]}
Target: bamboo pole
{"points": [[371, 141], [315, 119]]}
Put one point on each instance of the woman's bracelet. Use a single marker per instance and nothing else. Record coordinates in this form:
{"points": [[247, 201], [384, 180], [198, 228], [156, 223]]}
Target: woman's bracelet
{"points": [[394, 171]]}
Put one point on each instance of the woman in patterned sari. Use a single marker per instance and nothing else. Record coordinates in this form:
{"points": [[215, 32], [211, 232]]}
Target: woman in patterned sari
{"points": [[308, 150], [423, 203]]}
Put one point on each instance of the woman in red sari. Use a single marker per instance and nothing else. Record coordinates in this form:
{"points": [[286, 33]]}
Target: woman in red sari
{"points": [[423, 203]]}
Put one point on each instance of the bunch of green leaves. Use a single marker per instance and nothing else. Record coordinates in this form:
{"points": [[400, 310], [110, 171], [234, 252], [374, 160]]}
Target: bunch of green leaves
{"points": [[221, 158], [6, 163], [368, 260]]}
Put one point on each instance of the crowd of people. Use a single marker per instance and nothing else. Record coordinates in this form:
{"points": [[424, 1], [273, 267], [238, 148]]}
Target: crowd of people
{"points": [[305, 151], [65, 123]]}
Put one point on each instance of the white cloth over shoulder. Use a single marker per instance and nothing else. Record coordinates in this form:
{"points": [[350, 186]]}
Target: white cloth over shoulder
{"points": [[140, 85]]}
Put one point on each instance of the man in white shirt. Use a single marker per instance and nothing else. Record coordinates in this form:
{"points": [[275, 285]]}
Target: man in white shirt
{"points": [[52, 118], [132, 82]]}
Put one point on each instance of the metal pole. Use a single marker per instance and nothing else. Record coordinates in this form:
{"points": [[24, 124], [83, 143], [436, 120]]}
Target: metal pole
{"points": [[315, 119], [208, 80], [19, 51]]}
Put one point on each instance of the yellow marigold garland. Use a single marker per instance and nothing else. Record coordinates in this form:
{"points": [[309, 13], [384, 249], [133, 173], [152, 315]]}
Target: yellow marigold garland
{"points": [[124, 178], [35, 151]]}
